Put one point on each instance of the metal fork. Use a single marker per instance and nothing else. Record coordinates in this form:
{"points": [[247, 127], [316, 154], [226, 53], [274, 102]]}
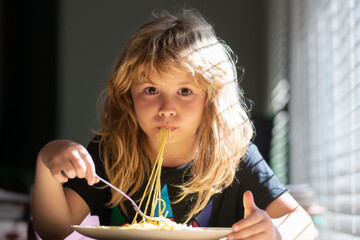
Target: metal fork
{"points": [[136, 207]]}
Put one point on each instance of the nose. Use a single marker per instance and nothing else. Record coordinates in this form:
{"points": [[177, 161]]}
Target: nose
{"points": [[167, 108]]}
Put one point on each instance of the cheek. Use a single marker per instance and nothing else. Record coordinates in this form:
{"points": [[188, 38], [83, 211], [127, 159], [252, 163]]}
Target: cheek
{"points": [[143, 112], [140, 105], [195, 111]]}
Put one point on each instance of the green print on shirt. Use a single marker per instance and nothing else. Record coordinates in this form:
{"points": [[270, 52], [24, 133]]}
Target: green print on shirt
{"points": [[117, 218]]}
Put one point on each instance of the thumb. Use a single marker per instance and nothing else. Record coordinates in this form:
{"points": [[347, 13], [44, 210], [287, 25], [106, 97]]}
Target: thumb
{"points": [[249, 204]]}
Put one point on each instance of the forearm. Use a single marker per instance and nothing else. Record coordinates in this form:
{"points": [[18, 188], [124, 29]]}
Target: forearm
{"points": [[295, 225], [51, 213]]}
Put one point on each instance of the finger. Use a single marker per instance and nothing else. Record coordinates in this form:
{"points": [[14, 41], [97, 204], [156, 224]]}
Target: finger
{"points": [[57, 174], [255, 236], [91, 171], [57, 168], [249, 204], [78, 163], [67, 168], [63, 173], [251, 220], [250, 230]]}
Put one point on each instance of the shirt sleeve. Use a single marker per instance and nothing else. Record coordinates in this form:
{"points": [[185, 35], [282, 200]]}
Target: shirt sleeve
{"points": [[254, 174]]}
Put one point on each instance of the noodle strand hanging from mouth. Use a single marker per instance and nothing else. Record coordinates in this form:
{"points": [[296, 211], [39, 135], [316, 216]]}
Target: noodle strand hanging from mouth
{"points": [[153, 191], [153, 187]]}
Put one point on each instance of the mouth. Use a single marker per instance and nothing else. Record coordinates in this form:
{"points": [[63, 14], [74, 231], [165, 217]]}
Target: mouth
{"points": [[172, 128]]}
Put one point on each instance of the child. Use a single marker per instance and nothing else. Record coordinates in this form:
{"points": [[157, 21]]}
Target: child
{"points": [[173, 73]]}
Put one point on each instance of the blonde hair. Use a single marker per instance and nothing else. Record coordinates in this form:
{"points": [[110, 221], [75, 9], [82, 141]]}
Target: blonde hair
{"points": [[187, 41]]}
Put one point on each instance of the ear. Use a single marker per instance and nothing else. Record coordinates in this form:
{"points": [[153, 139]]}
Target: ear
{"points": [[249, 204]]}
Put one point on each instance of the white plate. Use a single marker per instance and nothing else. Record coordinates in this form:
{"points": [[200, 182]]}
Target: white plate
{"points": [[109, 233]]}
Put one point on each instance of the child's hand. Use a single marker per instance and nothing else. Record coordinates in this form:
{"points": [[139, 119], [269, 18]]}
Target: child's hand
{"points": [[256, 224], [71, 158]]}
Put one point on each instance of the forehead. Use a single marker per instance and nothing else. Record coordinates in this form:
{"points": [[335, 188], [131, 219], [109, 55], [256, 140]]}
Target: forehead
{"points": [[170, 75]]}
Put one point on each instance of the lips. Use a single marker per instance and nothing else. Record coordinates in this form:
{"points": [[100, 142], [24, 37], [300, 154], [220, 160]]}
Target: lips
{"points": [[172, 128]]}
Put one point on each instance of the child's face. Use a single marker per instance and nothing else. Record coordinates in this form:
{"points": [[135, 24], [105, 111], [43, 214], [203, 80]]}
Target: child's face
{"points": [[169, 102]]}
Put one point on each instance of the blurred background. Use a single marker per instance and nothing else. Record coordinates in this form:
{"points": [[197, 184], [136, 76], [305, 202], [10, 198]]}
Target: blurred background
{"points": [[302, 72]]}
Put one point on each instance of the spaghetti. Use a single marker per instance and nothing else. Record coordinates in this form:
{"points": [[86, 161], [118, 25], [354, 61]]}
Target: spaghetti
{"points": [[153, 190]]}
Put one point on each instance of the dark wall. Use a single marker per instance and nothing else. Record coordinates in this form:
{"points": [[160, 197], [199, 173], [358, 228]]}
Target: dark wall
{"points": [[28, 86]]}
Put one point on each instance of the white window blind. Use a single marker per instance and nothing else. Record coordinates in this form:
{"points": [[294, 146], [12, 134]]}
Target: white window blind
{"points": [[325, 109], [277, 77]]}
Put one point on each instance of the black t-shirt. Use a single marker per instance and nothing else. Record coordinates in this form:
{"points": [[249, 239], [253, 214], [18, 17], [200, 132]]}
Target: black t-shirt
{"points": [[223, 209]]}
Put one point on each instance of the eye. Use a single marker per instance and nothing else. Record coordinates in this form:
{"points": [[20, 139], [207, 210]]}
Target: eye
{"points": [[151, 90], [184, 91]]}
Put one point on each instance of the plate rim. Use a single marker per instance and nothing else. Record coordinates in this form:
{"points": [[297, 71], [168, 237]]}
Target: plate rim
{"points": [[102, 227], [115, 232]]}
